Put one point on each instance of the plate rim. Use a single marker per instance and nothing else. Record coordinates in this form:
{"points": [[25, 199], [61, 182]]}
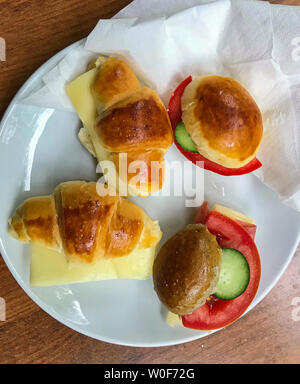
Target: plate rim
{"points": [[48, 309]]}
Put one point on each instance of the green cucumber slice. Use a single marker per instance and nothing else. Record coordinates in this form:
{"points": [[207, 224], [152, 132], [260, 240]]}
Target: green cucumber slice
{"points": [[184, 139], [234, 275]]}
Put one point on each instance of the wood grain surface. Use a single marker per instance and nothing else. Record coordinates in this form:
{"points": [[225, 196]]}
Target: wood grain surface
{"points": [[34, 31]]}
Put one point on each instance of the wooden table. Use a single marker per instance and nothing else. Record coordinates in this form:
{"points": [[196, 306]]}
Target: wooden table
{"points": [[35, 30]]}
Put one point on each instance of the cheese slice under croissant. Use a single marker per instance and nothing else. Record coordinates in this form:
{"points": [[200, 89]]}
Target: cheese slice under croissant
{"points": [[132, 119], [85, 226]]}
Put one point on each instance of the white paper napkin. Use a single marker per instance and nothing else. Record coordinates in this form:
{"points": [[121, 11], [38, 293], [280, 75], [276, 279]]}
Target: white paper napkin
{"points": [[166, 41], [53, 94]]}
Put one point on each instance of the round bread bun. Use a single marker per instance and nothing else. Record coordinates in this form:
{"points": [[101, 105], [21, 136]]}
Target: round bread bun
{"points": [[187, 268], [223, 120]]}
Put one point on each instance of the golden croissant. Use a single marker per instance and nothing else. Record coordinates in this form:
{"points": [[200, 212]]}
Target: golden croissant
{"points": [[84, 225], [131, 119]]}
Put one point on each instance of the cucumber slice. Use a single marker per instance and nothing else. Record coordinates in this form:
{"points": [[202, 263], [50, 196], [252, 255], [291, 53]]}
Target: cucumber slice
{"points": [[184, 139], [234, 275]]}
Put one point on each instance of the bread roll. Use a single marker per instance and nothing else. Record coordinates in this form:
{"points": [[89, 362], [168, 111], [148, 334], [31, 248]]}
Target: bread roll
{"points": [[223, 120], [187, 268], [86, 226]]}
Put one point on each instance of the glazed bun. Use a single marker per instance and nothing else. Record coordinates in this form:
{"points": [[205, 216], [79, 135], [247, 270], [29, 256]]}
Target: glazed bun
{"points": [[223, 120], [187, 268]]}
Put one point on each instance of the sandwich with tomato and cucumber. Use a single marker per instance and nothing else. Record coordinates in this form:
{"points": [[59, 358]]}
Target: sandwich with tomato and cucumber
{"points": [[208, 273], [217, 124]]}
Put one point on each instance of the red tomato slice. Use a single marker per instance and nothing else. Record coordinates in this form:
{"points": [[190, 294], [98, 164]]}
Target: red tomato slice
{"points": [[195, 157], [204, 211], [216, 313], [250, 228], [174, 110], [202, 214]]}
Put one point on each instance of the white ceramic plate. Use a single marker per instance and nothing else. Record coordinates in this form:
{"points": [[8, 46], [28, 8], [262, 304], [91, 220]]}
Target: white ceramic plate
{"points": [[39, 149]]}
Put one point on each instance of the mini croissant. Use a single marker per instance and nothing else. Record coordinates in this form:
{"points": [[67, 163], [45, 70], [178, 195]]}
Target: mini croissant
{"points": [[83, 224], [131, 119]]}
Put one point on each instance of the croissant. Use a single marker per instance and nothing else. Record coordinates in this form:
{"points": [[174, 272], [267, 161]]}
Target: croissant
{"points": [[83, 224], [131, 119]]}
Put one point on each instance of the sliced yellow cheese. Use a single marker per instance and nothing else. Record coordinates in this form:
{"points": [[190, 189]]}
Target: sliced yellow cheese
{"points": [[234, 215], [85, 140], [173, 320], [79, 91], [81, 96], [49, 267]]}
